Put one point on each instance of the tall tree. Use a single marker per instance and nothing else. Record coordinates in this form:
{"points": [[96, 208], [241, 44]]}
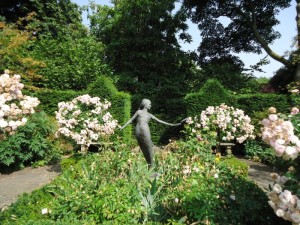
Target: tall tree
{"points": [[143, 50], [250, 28]]}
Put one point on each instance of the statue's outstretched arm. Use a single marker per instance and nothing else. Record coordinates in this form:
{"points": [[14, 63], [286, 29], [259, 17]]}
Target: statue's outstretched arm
{"points": [[129, 121], [163, 122]]}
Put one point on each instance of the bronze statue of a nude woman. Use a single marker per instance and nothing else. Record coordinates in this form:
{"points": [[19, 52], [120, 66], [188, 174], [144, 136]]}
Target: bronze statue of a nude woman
{"points": [[142, 130]]}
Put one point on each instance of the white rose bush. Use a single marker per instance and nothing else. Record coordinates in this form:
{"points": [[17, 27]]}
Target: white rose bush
{"points": [[85, 120], [228, 124], [14, 106], [282, 132]]}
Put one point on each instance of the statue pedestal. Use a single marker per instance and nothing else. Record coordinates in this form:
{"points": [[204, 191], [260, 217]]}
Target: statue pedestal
{"points": [[228, 146]]}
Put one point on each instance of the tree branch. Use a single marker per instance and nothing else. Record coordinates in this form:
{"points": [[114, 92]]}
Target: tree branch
{"points": [[259, 38]]}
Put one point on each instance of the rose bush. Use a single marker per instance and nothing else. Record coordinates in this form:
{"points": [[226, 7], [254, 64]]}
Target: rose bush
{"points": [[85, 120], [14, 106], [281, 132], [224, 122]]}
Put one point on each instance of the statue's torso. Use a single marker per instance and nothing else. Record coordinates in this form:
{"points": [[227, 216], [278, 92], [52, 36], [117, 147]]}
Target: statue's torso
{"points": [[142, 127]]}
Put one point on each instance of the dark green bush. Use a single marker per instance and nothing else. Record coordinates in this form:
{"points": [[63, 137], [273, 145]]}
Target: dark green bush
{"points": [[31, 143], [211, 94], [252, 103]]}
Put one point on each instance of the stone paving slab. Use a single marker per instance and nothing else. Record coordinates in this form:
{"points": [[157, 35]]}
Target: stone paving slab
{"points": [[260, 173], [24, 181]]}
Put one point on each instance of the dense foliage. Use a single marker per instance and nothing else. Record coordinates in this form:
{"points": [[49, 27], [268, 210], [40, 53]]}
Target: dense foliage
{"points": [[33, 143], [259, 102], [116, 187], [143, 49], [75, 62], [52, 17]]}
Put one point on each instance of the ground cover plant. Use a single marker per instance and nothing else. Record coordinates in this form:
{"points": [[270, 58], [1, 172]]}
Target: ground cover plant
{"points": [[117, 188]]}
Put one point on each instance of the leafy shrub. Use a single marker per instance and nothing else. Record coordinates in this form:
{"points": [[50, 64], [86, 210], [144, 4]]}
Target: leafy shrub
{"points": [[258, 151], [73, 62], [31, 143], [210, 194]]}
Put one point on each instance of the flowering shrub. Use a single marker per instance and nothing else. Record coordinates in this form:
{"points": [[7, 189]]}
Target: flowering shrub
{"points": [[283, 202], [13, 104], [282, 133], [227, 123], [85, 120]]}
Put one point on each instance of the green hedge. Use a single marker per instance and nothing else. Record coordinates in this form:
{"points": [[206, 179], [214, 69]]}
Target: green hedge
{"points": [[211, 94], [120, 101], [251, 103]]}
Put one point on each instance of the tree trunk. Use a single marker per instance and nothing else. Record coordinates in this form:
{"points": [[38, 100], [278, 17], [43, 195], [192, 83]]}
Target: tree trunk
{"points": [[297, 71]]}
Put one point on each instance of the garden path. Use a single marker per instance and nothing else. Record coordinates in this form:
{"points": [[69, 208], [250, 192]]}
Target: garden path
{"points": [[14, 184], [259, 173]]}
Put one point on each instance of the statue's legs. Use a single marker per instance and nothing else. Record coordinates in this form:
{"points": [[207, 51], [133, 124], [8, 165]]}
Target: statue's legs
{"points": [[143, 136], [147, 149]]}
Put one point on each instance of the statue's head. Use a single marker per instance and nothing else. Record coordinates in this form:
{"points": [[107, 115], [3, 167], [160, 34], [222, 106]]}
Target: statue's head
{"points": [[146, 103]]}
